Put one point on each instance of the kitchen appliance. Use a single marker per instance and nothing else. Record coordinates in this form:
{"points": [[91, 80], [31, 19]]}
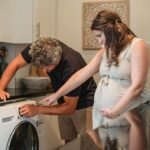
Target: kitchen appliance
{"points": [[17, 132], [36, 82], [26, 133]]}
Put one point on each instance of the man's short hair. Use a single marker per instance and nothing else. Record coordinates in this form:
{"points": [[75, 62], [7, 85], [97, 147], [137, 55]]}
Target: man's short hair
{"points": [[45, 51]]}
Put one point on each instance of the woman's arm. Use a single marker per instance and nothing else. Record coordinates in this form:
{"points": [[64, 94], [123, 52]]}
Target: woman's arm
{"points": [[140, 60], [78, 78]]}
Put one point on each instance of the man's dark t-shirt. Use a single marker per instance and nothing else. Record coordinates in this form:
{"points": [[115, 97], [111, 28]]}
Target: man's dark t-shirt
{"points": [[71, 61]]}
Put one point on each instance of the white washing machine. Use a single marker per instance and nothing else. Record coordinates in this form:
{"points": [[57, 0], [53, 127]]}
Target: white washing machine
{"points": [[25, 133], [16, 132]]}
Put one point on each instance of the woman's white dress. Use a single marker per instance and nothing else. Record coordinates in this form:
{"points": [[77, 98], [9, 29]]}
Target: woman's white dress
{"points": [[112, 86]]}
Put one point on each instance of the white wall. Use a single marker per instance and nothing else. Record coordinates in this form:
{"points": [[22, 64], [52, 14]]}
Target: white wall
{"points": [[66, 25], [139, 18], [69, 23]]}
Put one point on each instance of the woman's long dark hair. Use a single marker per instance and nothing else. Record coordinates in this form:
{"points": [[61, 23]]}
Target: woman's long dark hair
{"points": [[115, 31]]}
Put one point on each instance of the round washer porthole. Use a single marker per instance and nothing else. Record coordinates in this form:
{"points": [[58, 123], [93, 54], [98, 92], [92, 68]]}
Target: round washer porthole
{"points": [[23, 137]]}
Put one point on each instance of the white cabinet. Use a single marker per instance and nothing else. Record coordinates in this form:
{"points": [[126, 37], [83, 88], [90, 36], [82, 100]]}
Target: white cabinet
{"points": [[22, 21], [16, 21], [45, 14]]}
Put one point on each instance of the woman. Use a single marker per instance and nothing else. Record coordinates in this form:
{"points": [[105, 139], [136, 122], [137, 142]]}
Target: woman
{"points": [[123, 64]]}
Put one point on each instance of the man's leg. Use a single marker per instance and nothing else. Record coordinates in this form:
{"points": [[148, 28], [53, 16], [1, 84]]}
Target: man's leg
{"points": [[79, 119], [66, 127]]}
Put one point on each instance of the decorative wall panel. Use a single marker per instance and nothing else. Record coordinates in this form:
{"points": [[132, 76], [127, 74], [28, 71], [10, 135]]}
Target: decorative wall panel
{"points": [[90, 10]]}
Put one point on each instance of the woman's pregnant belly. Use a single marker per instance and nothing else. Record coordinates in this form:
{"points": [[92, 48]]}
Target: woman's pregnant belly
{"points": [[109, 92]]}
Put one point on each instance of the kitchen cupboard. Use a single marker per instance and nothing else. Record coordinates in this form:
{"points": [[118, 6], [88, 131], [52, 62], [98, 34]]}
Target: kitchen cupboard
{"points": [[23, 21], [45, 14], [16, 21]]}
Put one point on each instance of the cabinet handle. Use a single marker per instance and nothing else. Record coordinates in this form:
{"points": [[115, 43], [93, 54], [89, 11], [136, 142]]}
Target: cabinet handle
{"points": [[38, 30]]}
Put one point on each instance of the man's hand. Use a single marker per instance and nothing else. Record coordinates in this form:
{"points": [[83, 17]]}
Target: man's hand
{"points": [[49, 100], [28, 110], [4, 95]]}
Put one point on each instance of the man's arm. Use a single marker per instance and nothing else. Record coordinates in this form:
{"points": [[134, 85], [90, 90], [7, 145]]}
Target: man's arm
{"points": [[77, 78], [60, 109], [9, 72]]}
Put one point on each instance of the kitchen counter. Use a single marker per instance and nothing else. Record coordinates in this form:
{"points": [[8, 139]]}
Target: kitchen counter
{"points": [[21, 94]]}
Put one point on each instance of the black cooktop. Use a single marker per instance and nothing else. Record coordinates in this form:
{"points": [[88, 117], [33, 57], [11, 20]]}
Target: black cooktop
{"points": [[20, 94]]}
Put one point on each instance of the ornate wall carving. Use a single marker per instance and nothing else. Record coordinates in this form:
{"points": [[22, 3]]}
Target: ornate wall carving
{"points": [[90, 10]]}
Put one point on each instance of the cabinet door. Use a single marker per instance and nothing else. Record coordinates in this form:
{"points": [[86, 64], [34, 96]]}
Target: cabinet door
{"points": [[16, 23], [6, 14], [44, 18]]}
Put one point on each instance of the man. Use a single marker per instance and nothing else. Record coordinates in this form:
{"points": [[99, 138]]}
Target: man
{"points": [[59, 61]]}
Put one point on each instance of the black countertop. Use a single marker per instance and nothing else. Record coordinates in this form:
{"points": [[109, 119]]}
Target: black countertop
{"points": [[19, 94]]}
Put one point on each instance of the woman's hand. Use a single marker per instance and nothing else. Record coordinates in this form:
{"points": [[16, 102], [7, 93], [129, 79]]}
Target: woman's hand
{"points": [[50, 99], [4, 95], [108, 113]]}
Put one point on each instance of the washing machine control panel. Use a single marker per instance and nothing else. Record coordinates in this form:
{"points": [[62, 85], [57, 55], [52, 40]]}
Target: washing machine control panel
{"points": [[10, 112]]}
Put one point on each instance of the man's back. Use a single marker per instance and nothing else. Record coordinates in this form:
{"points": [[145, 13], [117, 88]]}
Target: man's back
{"points": [[71, 61]]}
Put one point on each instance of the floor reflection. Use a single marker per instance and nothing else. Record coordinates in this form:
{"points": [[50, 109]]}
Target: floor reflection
{"points": [[92, 140], [111, 138], [89, 141]]}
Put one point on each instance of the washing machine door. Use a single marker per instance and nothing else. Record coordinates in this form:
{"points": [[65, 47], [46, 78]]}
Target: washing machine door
{"points": [[24, 137]]}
